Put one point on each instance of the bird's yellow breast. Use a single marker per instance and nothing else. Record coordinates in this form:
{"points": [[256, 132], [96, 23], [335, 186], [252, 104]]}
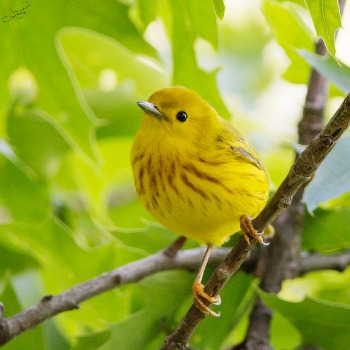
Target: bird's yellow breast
{"points": [[197, 192]]}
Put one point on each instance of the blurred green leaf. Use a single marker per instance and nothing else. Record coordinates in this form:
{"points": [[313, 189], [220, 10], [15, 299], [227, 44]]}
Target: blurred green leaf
{"points": [[54, 338], [298, 2], [219, 8], [101, 62], [35, 44], [111, 77], [164, 293], [147, 11], [283, 333], [44, 239], [117, 109], [187, 25], [320, 323], [36, 140], [326, 17], [332, 178], [334, 70], [29, 42], [202, 17], [291, 33], [327, 230], [69, 79], [26, 197], [14, 259], [92, 341], [329, 285], [97, 188], [334, 285]]}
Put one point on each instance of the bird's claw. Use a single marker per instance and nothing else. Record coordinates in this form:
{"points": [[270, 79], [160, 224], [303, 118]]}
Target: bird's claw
{"points": [[199, 294], [248, 231]]}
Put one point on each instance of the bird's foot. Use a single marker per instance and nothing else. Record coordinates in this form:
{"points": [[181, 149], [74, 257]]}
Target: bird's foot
{"points": [[199, 294], [248, 230]]}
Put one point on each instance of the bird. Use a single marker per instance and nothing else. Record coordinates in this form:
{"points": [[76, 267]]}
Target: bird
{"points": [[196, 175]]}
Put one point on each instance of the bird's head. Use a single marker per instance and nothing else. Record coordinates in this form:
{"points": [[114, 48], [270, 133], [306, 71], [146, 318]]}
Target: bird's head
{"points": [[179, 113]]}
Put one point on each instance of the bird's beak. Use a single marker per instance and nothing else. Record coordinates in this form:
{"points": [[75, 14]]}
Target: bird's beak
{"points": [[151, 109]]}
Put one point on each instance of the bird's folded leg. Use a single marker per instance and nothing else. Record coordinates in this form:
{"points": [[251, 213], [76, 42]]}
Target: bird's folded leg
{"points": [[198, 289]]}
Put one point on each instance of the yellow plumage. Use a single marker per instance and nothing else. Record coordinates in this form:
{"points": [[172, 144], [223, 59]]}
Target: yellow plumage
{"points": [[193, 171], [196, 177]]}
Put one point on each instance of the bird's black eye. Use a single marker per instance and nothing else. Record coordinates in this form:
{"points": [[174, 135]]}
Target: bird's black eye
{"points": [[181, 116]]}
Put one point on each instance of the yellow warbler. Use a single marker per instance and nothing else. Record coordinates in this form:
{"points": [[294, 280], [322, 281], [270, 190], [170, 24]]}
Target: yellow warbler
{"points": [[195, 173]]}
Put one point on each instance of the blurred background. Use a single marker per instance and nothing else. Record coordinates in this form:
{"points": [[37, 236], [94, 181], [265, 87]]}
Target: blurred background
{"points": [[70, 74]]}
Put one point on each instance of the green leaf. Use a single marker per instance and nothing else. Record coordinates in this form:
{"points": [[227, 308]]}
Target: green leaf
{"points": [[92, 341], [334, 70], [14, 259], [35, 44], [332, 178], [117, 109], [24, 196], [30, 42], [85, 51], [147, 11], [326, 17], [115, 80], [320, 323], [187, 26], [188, 19], [327, 230], [291, 33], [55, 340], [283, 333], [219, 8], [98, 187], [298, 2], [37, 139], [327, 285], [164, 293]]}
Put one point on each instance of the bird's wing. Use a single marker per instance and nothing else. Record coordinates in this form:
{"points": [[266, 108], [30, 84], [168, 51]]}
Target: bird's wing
{"points": [[238, 146]]}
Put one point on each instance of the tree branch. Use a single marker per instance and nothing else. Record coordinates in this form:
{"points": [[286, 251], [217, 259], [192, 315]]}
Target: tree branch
{"points": [[314, 262], [282, 258], [283, 255], [69, 300], [189, 259], [301, 172]]}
